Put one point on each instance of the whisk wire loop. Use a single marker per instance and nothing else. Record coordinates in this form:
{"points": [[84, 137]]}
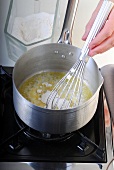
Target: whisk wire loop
{"points": [[81, 76], [65, 80], [70, 86]]}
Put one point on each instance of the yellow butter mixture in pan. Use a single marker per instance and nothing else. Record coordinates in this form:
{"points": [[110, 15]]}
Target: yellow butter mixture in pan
{"points": [[37, 88]]}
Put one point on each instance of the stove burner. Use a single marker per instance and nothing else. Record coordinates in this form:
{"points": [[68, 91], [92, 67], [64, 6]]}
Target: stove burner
{"points": [[82, 141], [19, 142], [36, 135]]}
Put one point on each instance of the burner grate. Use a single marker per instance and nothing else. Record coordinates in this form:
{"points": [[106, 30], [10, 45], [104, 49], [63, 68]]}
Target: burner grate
{"points": [[36, 135], [21, 143]]}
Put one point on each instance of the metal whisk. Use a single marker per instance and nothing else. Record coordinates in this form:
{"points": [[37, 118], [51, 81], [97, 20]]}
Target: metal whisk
{"points": [[68, 91]]}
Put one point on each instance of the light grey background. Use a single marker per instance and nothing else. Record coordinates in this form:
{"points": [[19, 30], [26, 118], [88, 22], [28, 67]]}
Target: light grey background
{"points": [[4, 59], [83, 14]]}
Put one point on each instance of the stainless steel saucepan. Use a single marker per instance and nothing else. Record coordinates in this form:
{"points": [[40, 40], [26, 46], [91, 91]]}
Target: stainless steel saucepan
{"points": [[55, 57]]}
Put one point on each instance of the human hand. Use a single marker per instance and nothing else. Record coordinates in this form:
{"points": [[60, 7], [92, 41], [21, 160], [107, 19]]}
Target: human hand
{"points": [[105, 39]]}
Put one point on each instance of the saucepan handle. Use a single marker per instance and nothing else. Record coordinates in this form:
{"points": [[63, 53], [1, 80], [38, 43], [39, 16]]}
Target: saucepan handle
{"points": [[66, 34]]}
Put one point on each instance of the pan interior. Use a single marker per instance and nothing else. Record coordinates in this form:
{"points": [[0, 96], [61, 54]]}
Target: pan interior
{"points": [[38, 88], [54, 57]]}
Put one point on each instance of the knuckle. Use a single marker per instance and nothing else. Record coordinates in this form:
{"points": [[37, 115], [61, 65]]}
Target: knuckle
{"points": [[88, 26], [112, 40], [108, 33], [100, 50], [112, 43]]}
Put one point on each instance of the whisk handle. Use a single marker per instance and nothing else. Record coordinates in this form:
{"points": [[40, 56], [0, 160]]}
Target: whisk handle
{"points": [[98, 24]]}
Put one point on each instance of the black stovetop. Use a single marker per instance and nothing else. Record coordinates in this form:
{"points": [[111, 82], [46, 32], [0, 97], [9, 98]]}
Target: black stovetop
{"points": [[88, 144]]}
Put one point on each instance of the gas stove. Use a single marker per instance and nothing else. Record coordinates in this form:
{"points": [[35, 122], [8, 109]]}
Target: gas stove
{"points": [[23, 147]]}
